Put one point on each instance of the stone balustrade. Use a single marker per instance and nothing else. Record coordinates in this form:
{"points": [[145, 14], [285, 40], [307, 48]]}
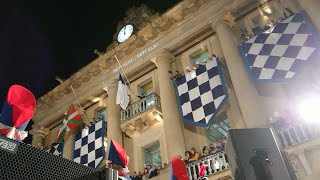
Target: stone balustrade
{"points": [[215, 163], [297, 133], [139, 107]]}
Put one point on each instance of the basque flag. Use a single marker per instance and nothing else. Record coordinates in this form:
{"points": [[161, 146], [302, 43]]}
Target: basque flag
{"points": [[16, 112], [71, 121]]}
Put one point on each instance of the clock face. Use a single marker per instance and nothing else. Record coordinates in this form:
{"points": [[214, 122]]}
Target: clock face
{"points": [[125, 33]]}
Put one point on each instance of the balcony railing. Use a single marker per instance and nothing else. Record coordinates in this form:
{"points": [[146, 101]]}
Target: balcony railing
{"points": [[215, 163], [297, 134], [139, 107]]}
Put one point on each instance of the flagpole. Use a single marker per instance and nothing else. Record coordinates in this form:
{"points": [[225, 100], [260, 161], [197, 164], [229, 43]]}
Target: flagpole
{"points": [[75, 95], [125, 76]]}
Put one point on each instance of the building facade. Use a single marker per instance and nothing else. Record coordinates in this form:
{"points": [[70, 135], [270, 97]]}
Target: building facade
{"points": [[150, 129]]}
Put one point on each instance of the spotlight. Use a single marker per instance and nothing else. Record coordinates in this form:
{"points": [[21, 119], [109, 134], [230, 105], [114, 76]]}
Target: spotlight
{"points": [[309, 110]]}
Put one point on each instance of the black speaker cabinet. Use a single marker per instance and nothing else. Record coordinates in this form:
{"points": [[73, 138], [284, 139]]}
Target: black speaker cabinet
{"points": [[105, 174], [253, 154], [19, 161]]}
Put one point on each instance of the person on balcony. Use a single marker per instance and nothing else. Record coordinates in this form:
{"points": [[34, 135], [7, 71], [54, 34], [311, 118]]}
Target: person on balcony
{"points": [[213, 148], [187, 155], [154, 171], [194, 155], [218, 146], [145, 174], [223, 143], [205, 152]]}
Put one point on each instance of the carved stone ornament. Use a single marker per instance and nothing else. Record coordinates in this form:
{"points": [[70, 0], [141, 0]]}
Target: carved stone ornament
{"points": [[230, 18]]}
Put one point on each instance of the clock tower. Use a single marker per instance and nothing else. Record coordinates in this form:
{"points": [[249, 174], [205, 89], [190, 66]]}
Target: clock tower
{"points": [[136, 18]]}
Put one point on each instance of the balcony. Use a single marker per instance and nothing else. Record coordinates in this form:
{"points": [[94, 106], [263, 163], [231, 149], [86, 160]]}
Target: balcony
{"points": [[141, 114], [217, 165], [297, 134]]}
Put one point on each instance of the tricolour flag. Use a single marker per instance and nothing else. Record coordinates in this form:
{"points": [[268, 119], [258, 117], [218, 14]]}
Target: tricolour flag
{"points": [[122, 94], [72, 120]]}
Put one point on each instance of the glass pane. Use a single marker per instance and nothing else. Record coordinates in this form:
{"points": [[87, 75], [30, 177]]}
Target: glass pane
{"points": [[152, 154], [218, 131], [199, 56], [102, 114]]}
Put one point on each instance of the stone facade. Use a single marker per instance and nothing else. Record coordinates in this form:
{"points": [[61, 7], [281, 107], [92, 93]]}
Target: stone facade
{"points": [[165, 42]]}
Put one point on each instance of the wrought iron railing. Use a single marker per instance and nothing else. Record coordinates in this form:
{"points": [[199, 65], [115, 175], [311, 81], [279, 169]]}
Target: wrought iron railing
{"points": [[139, 107], [297, 133], [215, 163]]}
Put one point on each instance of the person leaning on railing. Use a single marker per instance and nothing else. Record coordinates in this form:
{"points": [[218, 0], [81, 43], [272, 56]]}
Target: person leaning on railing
{"points": [[187, 155], [194, 155]]}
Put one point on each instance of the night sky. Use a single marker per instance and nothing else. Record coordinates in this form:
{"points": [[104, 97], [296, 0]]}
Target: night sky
{"points": [[42, 39]]}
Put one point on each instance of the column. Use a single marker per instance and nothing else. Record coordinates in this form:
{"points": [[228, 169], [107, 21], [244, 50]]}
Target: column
{"points": [[113, 113], [245, 92], [68, 142], [171, 119], [311, 7], [39, 134]]}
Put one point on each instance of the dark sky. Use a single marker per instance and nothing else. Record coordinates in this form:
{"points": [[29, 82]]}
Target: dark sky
{"points": [[42, 39]]}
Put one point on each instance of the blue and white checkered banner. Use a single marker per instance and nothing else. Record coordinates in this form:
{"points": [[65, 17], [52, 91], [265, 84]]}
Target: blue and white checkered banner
{"points": [[201, 93], [56, 149], [89, 145], [279, 53]]}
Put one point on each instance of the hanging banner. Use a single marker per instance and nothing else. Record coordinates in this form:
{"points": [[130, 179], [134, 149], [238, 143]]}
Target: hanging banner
{"points": [[56, 149], [201, 93], [89, 145], [281, 52]]}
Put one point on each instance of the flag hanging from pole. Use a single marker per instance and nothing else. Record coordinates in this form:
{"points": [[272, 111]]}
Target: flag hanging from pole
{"points": [[72, 120], [122, 94]]}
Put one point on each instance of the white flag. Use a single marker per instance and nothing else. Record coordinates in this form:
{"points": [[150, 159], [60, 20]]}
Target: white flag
{"points": [[122, 94]]}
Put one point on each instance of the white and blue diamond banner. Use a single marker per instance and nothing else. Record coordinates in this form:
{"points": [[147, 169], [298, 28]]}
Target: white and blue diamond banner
{"points": [[279, 53], [201, 93], [89, 145]]}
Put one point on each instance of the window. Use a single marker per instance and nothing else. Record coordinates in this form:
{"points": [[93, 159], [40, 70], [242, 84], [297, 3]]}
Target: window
{"points": [[199, 56], [219, 129], [102, 114], [152, 154], [146, 88]]}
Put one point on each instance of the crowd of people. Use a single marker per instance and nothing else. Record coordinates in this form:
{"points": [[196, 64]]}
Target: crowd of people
{"points": [[267, 27], [149, 172], [192, 155], [176, 74]]}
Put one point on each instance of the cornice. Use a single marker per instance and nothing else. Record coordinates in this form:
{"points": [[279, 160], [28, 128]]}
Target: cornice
{"points": [[96, 75]]}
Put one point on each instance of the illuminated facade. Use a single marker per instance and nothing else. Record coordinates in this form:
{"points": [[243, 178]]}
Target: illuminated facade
{"points": [[150, 128]]}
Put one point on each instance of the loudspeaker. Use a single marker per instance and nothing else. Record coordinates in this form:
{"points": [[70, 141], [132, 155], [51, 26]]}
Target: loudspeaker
{"points": [[253, 154], [22, 161], [105, 174]]}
